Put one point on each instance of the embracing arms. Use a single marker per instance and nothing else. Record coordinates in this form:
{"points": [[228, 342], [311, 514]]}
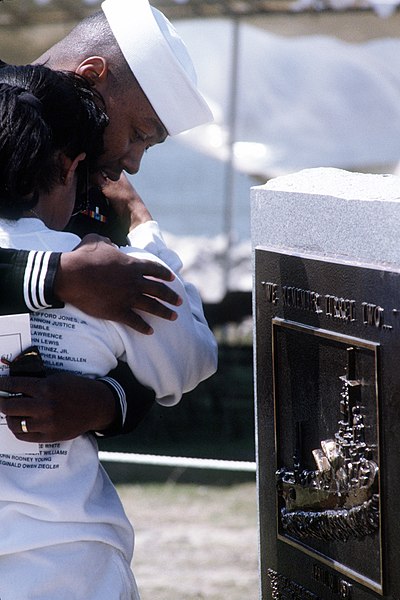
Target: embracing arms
{"points": [[86, 278], [100, 280], [117, 405]]}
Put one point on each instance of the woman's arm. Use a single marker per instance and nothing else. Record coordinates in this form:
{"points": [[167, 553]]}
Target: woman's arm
{"points": [[180, 354]]}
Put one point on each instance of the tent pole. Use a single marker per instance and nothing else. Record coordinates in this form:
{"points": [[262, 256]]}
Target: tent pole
{"points": [[230, 163]]}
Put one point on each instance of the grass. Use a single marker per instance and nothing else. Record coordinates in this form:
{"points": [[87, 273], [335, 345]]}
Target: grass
{"points": [[194, 541]]}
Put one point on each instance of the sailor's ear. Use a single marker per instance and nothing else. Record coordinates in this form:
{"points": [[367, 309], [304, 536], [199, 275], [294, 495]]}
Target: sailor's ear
{"points": [[93, 68]]}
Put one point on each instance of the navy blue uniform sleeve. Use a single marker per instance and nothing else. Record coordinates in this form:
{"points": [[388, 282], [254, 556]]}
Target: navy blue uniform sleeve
{"points": [[27, 280], [133, 400]]}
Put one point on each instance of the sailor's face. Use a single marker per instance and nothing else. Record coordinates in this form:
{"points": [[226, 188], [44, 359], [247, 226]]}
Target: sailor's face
{"points": [[133, 128]]}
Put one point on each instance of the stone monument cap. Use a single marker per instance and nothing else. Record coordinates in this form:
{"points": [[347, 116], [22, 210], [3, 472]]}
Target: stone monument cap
{"points": [[330, 212]]}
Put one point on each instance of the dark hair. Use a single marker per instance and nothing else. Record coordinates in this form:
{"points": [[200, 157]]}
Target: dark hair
{"points": [[42, 113]]}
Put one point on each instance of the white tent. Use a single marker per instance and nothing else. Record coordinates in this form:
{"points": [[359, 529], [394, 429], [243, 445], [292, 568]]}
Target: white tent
{"points": [[301, 101]]}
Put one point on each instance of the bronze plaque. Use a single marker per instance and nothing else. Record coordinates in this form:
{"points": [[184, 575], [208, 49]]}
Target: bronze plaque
{"points": [[327, 381]]}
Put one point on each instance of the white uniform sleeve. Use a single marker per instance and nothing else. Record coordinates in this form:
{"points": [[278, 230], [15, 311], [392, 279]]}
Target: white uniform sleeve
{"points": [[149, 237], [180, 354]]}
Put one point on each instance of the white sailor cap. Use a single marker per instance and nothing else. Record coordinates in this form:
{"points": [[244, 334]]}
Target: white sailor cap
{"points": [[160, 62]]}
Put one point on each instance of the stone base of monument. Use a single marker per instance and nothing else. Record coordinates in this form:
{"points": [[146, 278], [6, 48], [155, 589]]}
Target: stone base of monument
{"points": [[327, 384]]}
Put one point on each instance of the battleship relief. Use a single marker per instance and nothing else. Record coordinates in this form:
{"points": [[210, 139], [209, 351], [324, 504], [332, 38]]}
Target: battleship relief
{"points": [[339, 499]]}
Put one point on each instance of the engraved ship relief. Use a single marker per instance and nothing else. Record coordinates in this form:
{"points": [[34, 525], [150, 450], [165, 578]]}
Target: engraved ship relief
{"points": [[339, 500]]}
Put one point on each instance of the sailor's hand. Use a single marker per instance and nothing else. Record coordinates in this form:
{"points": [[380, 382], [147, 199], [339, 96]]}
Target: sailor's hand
{"points": [[58, 407], [103, 282]]}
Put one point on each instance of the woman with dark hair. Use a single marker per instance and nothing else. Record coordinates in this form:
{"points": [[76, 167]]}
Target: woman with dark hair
{"points": [[49, 123], [64, 533]]}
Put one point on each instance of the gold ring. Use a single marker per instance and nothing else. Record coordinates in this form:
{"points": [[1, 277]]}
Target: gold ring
{"points": [[24, 426]]}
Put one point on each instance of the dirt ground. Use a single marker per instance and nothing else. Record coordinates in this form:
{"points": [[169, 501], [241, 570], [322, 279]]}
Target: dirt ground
{"points": [[194, 542]]}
